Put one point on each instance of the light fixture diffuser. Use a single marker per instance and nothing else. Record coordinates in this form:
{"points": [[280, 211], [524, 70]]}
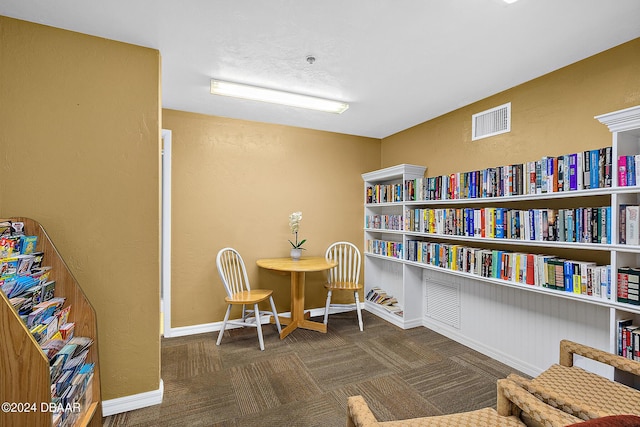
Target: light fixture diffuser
{"points": [[255, 93]]}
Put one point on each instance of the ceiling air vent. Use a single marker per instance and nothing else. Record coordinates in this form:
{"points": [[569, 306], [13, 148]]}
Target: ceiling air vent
{"points": [[491, 122]]}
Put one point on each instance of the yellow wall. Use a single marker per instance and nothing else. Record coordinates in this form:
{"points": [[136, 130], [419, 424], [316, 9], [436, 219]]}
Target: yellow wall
{"points": [[79, 152], [236, 182], [551, 115]]}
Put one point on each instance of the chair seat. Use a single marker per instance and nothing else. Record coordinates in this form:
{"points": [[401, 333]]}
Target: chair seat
{"points": [[249, 297], [343, 286], [513, 401], [486, 417], [583, 393]]}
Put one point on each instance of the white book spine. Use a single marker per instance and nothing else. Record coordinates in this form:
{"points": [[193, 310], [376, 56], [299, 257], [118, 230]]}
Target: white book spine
{"points": [[633, 223]]}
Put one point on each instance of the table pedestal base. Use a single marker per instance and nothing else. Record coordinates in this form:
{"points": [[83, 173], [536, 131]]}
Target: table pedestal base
{"points": [[299, 319]]}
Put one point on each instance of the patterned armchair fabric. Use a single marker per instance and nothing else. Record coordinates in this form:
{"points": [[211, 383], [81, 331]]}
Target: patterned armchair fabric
{"points": [[563, 395], [583, 393], [512, 399]]}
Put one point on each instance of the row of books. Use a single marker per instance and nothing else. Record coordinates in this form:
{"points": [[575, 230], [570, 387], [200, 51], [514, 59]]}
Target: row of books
{"points": [[570, 172], [384, 193], [628, 285], [585, 225], [628, 170], [383, 222], [629, 225], [384, 248], [628, 339], [379, 296], [32, 295], [547, 271]]}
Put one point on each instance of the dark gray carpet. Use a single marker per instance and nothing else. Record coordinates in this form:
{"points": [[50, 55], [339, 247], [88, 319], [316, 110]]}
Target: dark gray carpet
{"points": [[305, 379]]}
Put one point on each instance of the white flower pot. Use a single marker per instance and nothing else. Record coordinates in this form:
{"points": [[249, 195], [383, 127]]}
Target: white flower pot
{"points": [[296, 254]]}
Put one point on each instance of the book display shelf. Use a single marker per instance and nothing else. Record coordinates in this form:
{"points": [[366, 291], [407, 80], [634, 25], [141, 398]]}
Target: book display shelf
{"points": [[25, 371], [384, 262], [561, 227]]}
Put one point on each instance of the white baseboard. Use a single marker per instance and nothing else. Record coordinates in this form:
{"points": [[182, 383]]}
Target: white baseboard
{"points": [[215, 326], [135, 401], [478, 346]]}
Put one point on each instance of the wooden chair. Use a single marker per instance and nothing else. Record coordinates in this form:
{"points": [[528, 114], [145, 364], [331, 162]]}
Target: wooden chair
{"points": [[343, 277], [233, 273]]}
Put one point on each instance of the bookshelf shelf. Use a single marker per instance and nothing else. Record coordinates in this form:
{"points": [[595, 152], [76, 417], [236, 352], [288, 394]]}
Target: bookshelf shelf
{"points": [[406, 279], [528, 288], [390, 273], [624, 126], [514, 242], [24, 368], [485, 201]]}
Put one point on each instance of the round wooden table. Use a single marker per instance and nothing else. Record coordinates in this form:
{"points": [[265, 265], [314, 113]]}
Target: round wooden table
{"points": [[297, 269]]}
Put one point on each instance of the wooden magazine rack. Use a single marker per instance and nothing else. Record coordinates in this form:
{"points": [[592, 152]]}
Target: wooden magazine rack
{"points": [[24, 368]]}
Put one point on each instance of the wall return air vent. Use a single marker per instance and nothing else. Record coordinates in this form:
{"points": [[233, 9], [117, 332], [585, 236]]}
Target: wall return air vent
{"points": [[491, 122]]}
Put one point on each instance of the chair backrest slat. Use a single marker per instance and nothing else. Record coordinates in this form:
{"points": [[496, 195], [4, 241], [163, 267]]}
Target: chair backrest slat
{"points": [[348, 257], [232, 271]]}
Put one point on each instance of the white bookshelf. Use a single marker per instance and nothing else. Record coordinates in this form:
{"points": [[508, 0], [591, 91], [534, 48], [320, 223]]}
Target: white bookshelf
{"points": [[388, 273], [516, 323]]}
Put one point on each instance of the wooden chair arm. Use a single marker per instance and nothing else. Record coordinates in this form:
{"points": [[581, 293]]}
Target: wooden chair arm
{"points": [[556, 400], [511, 394], [359, 414], [569, 348]]}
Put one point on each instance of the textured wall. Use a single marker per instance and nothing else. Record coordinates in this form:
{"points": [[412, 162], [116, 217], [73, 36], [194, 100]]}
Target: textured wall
{"points": [[79, 152], [235, 184], [551, 115]]}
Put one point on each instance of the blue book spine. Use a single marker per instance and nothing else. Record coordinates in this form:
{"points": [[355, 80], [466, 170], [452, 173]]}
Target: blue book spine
{"points": [[551, 176], [570, 237], [485, 178], [573, 171], [472, 185], [496, 264], [532, 225], [499, 223], [608, 214], [631, 171], [595, 176], [568, 276]]}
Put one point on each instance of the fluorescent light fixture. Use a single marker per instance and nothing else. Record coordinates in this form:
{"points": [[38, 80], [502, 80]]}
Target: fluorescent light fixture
{"points": [[255, 93], [509, 1]]}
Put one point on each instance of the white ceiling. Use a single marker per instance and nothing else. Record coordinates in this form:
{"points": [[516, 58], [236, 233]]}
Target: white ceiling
{"points": [[398, 63]]}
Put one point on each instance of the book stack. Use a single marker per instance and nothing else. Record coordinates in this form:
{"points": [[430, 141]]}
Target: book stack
{"points": [[579, 277], [629, 228], [569, 172], [384, 248], [31, 292], [628, 170], [381, 298], [584, 225], [628, 285], [384, 193], [383, 222], [628, 339]]}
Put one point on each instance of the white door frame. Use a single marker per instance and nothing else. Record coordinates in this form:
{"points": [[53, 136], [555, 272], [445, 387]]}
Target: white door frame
{"points": [[166, 233]]}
